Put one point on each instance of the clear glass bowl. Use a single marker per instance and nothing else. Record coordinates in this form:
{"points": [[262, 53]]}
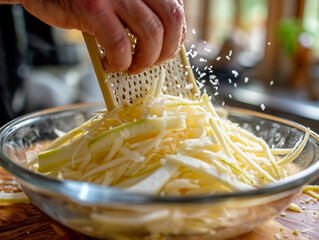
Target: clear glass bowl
{"points": [[109, 213]]}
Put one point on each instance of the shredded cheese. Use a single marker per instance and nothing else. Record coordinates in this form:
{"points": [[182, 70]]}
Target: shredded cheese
{"points": [[166, 145]]}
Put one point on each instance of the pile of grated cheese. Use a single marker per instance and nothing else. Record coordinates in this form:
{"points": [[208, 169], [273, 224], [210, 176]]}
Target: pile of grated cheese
{"points": [[166, 145]]}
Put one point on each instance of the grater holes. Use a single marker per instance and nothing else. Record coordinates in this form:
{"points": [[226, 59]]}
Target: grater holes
{"points": [[136, 86]]}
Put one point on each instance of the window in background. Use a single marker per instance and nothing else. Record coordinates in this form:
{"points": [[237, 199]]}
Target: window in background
{"points": [[221, 20], [311, 22], [227, 17], [253, 21]]}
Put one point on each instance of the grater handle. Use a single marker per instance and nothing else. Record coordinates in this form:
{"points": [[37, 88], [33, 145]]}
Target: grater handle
{"points": [[100, 72]]}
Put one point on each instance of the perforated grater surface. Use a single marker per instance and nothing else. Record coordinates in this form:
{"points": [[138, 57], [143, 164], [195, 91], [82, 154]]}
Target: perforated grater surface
{"points": [[123, 88]]}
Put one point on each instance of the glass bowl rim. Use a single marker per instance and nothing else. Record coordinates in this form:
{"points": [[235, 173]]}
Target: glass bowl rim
{"points": [[89, 193]]}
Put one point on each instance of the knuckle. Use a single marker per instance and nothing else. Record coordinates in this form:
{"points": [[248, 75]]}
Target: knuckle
{"points": [[95, 7], [120, 43], [177, 14], [156, 28]]}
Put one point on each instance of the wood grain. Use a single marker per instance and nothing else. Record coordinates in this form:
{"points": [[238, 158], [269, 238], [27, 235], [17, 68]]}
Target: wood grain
{"points": [[27, 222]]}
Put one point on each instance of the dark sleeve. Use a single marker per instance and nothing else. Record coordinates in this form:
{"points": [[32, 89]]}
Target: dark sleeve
{"points": [[10, 60]]}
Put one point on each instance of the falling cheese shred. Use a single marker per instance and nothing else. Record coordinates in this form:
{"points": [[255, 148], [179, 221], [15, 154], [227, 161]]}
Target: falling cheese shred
{"points": [[166, 145]]}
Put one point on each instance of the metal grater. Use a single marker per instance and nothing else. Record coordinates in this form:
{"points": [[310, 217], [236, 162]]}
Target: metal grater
{"points": [[122, 88]]}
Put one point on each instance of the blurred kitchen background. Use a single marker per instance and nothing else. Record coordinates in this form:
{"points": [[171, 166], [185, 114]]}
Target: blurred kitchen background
{"points": [[258, 54]]}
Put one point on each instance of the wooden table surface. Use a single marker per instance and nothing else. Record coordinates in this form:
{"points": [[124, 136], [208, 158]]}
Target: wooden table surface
{"points": [[27, 222]]}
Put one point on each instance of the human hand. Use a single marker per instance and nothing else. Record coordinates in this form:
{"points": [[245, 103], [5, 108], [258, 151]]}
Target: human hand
{"points": [[159, 26]]}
